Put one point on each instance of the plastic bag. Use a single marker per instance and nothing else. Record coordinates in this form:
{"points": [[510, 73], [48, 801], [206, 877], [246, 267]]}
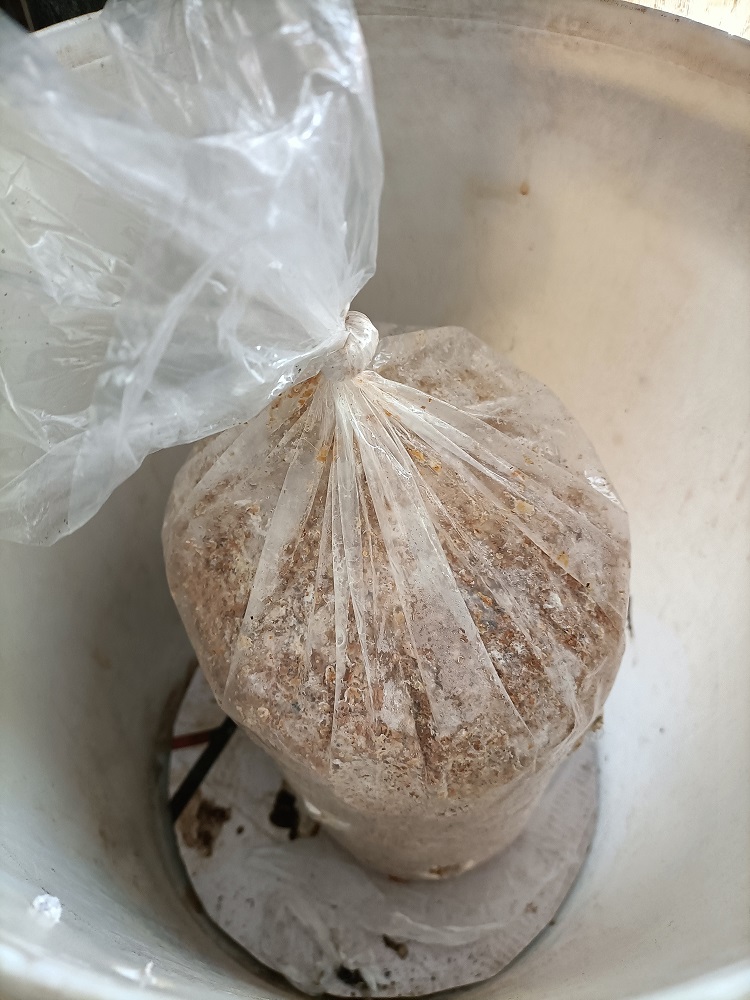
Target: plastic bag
{"points": [[410, 585], [179, 257], [424, 605]]}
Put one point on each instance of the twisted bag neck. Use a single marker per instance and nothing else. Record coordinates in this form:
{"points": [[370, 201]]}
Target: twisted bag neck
{"points": [[357, 352]]}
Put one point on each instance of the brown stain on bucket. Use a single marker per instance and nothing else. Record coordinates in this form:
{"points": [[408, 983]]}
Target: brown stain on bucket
{"points": [[101, 659]]}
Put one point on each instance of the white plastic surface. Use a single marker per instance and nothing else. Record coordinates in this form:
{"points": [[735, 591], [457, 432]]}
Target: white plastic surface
{"points": [[574, 188], [303, 906]]}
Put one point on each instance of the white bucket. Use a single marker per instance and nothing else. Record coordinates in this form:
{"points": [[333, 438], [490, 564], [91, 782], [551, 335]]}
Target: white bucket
{"points": [[572, 182]]}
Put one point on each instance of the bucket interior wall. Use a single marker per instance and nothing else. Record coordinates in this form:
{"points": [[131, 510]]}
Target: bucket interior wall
{"points": [[576, 190]]}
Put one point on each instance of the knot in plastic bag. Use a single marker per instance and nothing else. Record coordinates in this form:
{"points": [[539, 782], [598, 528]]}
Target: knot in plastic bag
{"points": [[357, 352]]}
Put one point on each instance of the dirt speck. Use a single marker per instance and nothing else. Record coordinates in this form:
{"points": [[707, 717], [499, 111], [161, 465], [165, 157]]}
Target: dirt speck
{"points": [[352, 977], [101, 659], [201, 823], [445, 871], [530, 908], [401, 949], [285, 813]]}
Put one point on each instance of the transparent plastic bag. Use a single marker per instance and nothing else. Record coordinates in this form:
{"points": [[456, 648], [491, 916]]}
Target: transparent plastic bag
{"points": [[409, 583], [402, 573], [178, 257]]}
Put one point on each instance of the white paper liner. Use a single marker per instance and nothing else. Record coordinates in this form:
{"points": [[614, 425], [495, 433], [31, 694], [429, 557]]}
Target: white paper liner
{"points": [[305, 908]]}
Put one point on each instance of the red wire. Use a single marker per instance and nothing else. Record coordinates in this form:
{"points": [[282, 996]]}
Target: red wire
{"points": [[192, 739]]}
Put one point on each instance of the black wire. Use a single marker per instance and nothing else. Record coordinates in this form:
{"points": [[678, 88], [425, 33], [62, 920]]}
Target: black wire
{"points": [[200, 768]]}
